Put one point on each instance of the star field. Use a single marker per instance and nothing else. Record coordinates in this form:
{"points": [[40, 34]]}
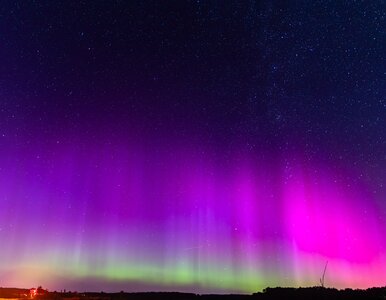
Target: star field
{"points": [[197, 146]]}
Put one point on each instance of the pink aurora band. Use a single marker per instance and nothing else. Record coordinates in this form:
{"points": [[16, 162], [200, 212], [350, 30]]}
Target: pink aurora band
{"points": [[180, 219]]}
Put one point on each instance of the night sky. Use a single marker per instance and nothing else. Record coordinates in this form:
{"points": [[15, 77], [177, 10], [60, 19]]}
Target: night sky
{"points": [[201, 146]]}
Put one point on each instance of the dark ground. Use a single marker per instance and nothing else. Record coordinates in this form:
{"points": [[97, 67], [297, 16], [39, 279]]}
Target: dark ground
{"points": [[313, 293]]}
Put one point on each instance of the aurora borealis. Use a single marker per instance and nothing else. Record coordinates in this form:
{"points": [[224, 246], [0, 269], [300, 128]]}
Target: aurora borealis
{"points": [[188, 146]]}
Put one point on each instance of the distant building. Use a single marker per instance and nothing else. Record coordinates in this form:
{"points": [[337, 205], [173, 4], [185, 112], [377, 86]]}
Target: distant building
{"points": [[34, 292]]}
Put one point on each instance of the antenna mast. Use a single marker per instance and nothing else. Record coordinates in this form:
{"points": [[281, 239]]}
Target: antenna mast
{"points": [[324, 273]]}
